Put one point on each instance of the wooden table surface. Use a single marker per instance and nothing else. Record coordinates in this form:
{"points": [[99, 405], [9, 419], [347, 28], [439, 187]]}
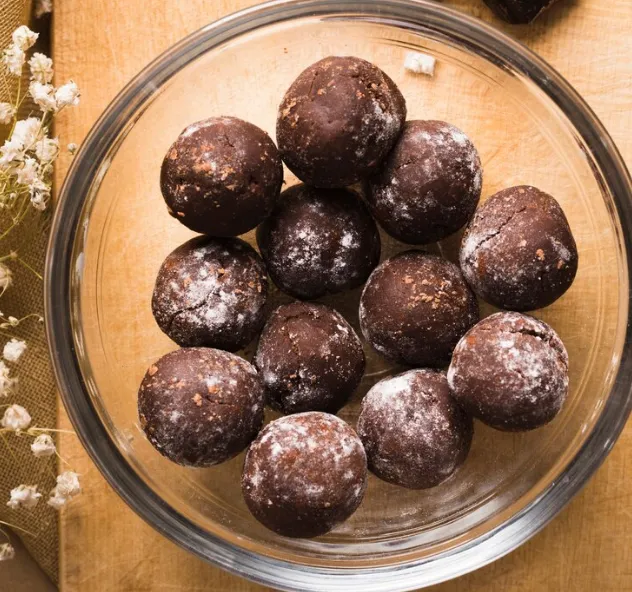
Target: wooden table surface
{"points": [[105, 546]]}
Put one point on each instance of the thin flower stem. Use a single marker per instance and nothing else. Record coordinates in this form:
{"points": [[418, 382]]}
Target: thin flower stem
{"points": [[8, 446], [62, 459], [29, 268], [45, 430], [18, 528]]}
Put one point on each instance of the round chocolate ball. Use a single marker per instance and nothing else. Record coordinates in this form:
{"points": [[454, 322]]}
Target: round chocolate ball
{"points": [[415, 307], [310, 358], [429, 185], [510, 371], [338, 120], [518, 252], [319, 241], [414, 433], [304, 474], [222, 176], [200, 406], [211, 291]]}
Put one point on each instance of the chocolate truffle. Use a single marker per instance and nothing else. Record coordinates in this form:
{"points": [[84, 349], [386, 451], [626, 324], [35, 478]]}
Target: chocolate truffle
{"points": [[319, 241], [310, 359], [414, 433], [519, 12], [429, 185], [518, 252], [211, 291], [510, 371], [304, 474], [415, 308], [222, 176], [200, 406], [338, 120]]}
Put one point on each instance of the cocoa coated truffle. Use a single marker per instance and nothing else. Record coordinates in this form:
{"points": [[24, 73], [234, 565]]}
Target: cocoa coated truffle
{"points": [[222, 176], [310, 358], [338, 120], [415, 307], [319, 241], [518, 252], [200, 406], [429, 185], [211, 291], [304, 474], [519, 11], [414, 433], [510, 371]]}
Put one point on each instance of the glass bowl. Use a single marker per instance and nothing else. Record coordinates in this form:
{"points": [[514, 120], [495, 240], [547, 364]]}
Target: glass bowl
{"points": [[111, 232]]}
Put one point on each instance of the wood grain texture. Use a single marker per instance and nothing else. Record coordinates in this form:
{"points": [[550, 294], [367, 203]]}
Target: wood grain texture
{"points": [[105, 547]]}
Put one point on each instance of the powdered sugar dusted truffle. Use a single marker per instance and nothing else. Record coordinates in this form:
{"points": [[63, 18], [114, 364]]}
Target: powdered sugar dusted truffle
{"points": [[511, 372], [304, 474], [415, 307], [414, 433], [310, 358], [200, 406], [518, 253], [222, 176], [211, 291], [338, 120], [319, 241], [429, 185]]}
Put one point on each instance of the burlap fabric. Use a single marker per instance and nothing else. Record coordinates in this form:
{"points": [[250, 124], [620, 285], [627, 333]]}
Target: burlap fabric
{"points": [[36, 389]]}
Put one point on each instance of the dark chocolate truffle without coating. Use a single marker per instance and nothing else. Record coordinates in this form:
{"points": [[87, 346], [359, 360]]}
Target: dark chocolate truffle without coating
{"points": [[200, 406], [319, 241], [338, 121], [304, 474], [429, 185], [222, 176], [511, 372], [211, 291], [415, 307], [518, 253], [414, 433], [310, 358]]}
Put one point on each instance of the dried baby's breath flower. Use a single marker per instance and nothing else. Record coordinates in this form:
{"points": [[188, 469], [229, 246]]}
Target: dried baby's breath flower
{"points": [[67, 95], [7, 382], [6, 277], [24, 496], [47, 150], [7, 552], [13, 321], [38, 201], [41, 68], [13, 350], [15, 418], [57, 501], [27, 174], [7, 113], [24, 38], [27, 132], [13, 58], [68, 484], [43, 96], [72, 147], [43, 446]]}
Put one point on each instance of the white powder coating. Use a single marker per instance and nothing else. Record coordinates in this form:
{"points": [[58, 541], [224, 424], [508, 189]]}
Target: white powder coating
{"points": [[413, 433], [420, 63], [207, 293], [307, 467], [510, 370]]}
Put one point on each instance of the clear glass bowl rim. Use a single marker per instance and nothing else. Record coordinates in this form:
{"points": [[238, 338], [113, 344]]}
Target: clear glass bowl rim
{"points": [[59, 317]]}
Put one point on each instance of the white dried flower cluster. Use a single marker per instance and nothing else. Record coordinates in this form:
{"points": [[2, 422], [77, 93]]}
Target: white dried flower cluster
{"points": [[24, 496], [7, 382], [43, 446], [15, 418], [7, 552], [67, 487], [27, 156], [42, 7], [13, 350]]}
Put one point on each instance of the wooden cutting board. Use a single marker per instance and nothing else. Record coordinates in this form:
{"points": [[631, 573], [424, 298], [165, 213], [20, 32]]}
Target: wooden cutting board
{"points": [[104, 546]]}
